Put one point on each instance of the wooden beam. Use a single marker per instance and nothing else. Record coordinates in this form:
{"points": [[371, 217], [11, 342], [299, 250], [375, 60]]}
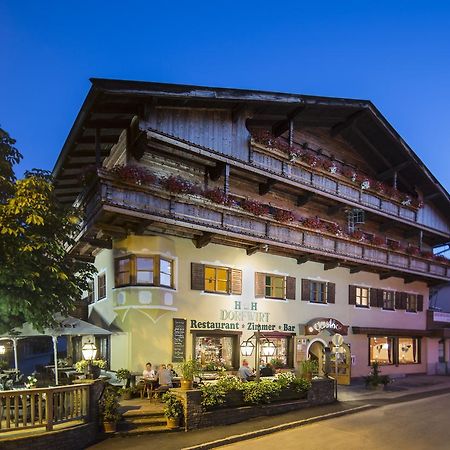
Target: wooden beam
{"points": [[330, 265], [107, 123], [111, 230], [215, 172], [107, 139], [282, 126], [408, 280], [391, 171], [117, 108], [386, 275], [98, 160], [332, 210], [203, 240], [305, 198], [257, 248], [101, 243], [84, 258], [431, 196], [303, 259], [356, 269], [347, 123], [266, 187]]}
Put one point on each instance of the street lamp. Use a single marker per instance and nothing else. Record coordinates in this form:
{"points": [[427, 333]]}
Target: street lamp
{"points": [[2, 349], [267, 348], [89, 351]]}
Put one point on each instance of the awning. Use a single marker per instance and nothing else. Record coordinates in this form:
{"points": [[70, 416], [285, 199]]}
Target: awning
{"points": [[391, 332]]}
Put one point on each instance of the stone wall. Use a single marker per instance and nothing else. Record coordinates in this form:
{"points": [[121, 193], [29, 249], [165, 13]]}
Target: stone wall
{"points": [[321, 393]]}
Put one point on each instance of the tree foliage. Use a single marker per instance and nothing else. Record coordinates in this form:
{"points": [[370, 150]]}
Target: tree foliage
{"points": [[38, 277]]}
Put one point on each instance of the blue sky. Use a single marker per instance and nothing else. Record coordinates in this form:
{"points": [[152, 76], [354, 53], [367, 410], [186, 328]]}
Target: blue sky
{"points": [[395, 53]]}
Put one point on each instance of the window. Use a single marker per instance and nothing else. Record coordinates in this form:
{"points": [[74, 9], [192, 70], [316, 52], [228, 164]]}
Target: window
{"points": [[101, 281], [275, 287], [362, 296], [411, 302], [394, 350], [388, 300], [143, 271], [408, 350], [217, 279], [216, 351], [381, 350], [282, 353], [318, 292], [90, 297]]}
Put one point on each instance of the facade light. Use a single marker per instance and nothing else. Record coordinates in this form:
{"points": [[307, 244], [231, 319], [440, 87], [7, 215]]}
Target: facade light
{"points": [[89, 351], [247, 348]]}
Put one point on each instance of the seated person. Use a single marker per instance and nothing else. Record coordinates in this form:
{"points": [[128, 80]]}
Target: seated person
{"points": [[244, 372], [266, 371], [148, 372], [164, 378], [172, 371]]}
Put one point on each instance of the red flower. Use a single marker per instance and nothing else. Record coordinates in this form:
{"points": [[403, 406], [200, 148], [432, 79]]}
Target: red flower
{"points": [[312, 222], [283, 215], [358, 235], [254, 207], [176, 185], [413, 250], [133, 174], [378, 240], [217, 196]]}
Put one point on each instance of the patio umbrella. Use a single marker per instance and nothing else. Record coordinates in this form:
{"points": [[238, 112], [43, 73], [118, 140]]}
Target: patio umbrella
{"points": [[65, 326]]}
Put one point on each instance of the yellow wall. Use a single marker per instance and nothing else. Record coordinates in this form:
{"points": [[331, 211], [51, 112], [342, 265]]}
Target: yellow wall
{"points": [[145, 314]]}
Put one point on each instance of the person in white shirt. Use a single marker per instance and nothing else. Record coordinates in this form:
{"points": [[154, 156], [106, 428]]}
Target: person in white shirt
{"points": [[149, 378], [148, 371]]}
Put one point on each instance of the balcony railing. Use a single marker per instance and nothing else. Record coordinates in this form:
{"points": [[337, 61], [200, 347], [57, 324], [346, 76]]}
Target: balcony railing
{"points": [[207, 216]]}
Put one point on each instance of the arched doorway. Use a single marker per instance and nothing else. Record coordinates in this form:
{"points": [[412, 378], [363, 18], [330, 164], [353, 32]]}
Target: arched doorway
{"points": [[316, 352]]}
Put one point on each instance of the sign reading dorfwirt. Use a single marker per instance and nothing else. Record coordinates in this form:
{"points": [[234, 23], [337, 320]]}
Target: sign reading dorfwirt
{"points": [[315, 326]]}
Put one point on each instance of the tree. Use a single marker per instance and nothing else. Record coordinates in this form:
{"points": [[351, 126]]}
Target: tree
{"points": [[38, 277]]}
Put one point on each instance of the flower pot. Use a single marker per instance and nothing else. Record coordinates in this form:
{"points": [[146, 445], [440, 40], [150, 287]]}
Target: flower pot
{"points": [[186, 385], [127, 395], [172, 422], [109, 427]]}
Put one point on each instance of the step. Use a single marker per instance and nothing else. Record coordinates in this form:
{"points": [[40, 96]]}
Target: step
{"points": [[150, 421], [144, 430], [143, 413]]}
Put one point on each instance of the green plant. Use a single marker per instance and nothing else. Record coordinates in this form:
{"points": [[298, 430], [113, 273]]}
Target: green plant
{"points": [[80, 366], [310, 366], [126, 392], [189, 369], [109, 405], [3, 364], [375, 378], [277, 363], [124, 375], [263, 392], [173, 407], [214, 395]]}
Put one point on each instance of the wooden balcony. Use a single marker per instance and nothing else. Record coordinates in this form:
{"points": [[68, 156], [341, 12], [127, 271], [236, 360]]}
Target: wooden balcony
{"points": [[275, 165], [197, 215]]}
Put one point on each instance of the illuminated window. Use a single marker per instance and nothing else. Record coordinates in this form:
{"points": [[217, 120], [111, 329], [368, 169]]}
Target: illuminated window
{"points": [[281, 358], [217, 279], [411, 303], [275, 286], [143, 270], [408, 350], [215, 352], [362, 296], [388, 300], [381, 350], [101, 280], [318, 292]]}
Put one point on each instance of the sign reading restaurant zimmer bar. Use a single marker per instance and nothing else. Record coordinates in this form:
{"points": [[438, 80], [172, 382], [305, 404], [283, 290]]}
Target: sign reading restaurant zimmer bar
{"points": [[179, 340]]}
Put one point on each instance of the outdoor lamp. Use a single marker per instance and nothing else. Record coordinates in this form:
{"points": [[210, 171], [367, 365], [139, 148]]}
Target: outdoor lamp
{"points": [[268, 348], [247, 348], [89, 351], [2, 349]]}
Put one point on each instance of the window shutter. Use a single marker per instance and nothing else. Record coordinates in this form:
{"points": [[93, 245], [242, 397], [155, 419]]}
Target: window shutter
{"points": [[290, 288], [197, 277], [374, 297], [380, 298], [403, 300], [352, 295], [331, 292], [420, 303], [236, 281], [260, 284], [398, 300], [306, 290]]}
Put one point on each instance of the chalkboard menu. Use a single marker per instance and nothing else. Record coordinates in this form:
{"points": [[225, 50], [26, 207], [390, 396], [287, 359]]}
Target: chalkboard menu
{"points": [[179, 340]]}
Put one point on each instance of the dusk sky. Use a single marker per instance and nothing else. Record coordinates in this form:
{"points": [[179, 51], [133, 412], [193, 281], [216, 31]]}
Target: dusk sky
{"points": [[395, 53]]}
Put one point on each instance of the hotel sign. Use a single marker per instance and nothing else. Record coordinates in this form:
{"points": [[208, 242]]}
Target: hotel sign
{"points": [[315, 326]]}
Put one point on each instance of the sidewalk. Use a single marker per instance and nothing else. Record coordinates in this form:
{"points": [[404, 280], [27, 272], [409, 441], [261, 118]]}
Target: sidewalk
{"points": [[351, 400]]}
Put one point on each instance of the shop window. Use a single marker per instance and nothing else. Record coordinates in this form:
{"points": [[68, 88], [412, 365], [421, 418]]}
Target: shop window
{"points": [[217, 279], [275, 287], [411, 302], [143, 271], [408, 350], [281, 358], [215, 352], [101, 286], [381, 350], [389, 300]]}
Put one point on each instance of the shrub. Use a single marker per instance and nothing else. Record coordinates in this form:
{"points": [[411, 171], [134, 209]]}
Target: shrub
{"points": [[109, 405], [189, 369], [124, 375], [173, 407], [375, 378], [80, 366], [258, 393]]}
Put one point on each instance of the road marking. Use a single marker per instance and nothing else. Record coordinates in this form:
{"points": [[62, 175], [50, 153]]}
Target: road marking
{"points": [[274, 429]]}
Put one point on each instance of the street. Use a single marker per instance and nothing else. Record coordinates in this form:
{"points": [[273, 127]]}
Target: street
{"points": [[420, 424]]}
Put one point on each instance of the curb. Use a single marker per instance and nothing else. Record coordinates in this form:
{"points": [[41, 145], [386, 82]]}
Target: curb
{"points": [[274, 429]]}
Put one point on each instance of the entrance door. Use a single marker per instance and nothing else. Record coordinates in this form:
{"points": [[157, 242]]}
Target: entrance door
{"points": [[344, 366], [316, 352]]}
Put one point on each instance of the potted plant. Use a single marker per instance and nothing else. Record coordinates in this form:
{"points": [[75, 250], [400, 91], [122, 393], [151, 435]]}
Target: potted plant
{"points": [[375, 380], [85, 366], [125, 376], [109, 407], [173, 410], [189, 369], [309, 367]]}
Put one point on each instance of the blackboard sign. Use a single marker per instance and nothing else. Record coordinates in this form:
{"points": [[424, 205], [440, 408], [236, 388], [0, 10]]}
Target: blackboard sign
{"points": [[179, 340]]}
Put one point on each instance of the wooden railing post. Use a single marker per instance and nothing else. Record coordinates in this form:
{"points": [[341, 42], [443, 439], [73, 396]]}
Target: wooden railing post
{"points": [[49, 410]]}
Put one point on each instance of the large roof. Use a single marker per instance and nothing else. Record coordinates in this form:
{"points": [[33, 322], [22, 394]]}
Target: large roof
{"points": [[111, 104]]}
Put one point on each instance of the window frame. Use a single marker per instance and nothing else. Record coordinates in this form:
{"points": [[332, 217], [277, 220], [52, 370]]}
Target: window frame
{"points": [[396, 351], [388, 298], [324, 292], [90, 293], [101, 287], [216, 290], [134, 271], [360, 305], [271, 287], [407, 306]]}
